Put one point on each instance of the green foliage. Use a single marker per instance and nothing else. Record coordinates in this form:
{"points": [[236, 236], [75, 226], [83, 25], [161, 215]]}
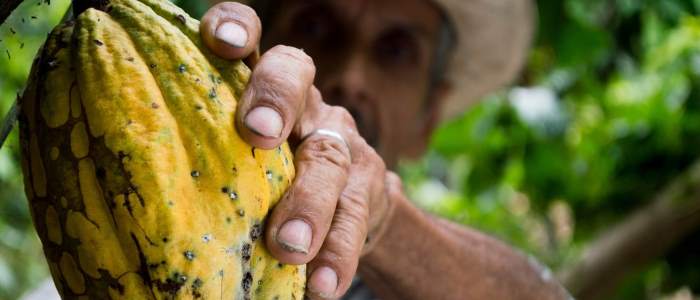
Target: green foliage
{"points": [[613, 117], [22, 263]]}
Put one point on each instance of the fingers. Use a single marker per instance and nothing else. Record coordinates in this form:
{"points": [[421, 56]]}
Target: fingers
{"points": [[323, 219], [275, 96], [231, 30], [300, 221], [333, 268]]}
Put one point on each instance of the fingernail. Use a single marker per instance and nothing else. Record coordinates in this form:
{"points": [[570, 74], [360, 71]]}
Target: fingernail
{"points": [[264, 121], [323, 282], [295, 236], [233, 34]]}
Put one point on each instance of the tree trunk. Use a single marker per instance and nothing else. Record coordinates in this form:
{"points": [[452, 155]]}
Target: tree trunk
{"points": [[635, 241]]}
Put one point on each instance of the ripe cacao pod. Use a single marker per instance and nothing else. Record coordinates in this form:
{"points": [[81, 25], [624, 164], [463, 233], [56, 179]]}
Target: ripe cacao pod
{"points": [[139, 186]]}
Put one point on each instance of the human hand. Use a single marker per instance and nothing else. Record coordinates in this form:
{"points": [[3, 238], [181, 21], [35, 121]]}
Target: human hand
{"points": [[339, 194]]}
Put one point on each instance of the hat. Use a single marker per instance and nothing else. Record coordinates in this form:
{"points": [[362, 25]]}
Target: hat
{"points": [[493, 37]]}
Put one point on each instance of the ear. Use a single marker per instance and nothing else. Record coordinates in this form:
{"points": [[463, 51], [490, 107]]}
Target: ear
{"points": [[431, 118]]}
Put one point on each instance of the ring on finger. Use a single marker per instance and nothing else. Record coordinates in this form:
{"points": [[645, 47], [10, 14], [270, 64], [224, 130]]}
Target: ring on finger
{"points": [[330, 133]]}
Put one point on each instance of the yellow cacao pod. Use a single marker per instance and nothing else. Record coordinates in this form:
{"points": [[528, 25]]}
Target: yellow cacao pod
{"points": [[139, 186]]}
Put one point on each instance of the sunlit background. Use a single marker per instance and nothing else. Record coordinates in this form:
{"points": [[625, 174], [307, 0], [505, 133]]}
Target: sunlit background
{"points": [[604, 122]]}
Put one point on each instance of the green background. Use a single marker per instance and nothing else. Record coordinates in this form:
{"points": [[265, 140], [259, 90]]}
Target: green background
{"points": [[610, 116]]}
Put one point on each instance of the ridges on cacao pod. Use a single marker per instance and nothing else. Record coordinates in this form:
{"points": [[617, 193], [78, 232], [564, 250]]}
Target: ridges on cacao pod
{"points": [[139, 186]]}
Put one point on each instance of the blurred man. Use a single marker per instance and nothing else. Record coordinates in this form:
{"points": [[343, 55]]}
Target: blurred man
{"points": [[358, 86]]}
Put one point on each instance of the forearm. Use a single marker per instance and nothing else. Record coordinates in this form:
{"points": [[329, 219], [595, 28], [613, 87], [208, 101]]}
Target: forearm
{"points": [[422, 257]]}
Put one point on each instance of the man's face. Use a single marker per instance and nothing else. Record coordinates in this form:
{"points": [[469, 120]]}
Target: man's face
{"points": [[372, 57]]}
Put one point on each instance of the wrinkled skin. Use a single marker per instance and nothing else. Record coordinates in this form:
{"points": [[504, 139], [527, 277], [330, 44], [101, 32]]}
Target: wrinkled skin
{"points": [[372, 60]]}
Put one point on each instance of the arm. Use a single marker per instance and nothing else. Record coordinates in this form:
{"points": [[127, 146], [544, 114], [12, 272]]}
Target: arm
{"points": [[424, 257]]}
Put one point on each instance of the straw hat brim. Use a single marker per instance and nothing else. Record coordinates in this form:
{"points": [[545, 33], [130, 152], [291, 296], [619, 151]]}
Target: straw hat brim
{"points": [[493, 38]]}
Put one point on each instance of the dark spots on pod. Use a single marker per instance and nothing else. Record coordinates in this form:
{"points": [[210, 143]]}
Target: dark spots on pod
{"points": [[252, 150], [153, 266], [153, 66], [182, 68], [165, 240], [198, 107], [280, 178], [22, 20], [256, 231], [182, 19], [131, 59], [196, 286], [206, 238], [8, 54], [221, 273], [230, 193], [33, 17], [279, 149], [260, 286], [98, 42], [12, 30], [228, 220], [197, 80], [268, 174], [194, 174], [241, 212], [21, 46], [246, 283], [280, 265], [101, 173], [286, 161], [122, 156], [212, 93], [53, 63], [155, 105], [245, 252], [112, 282], [235, 170], [171, 203], [189, 255], [127, 205], [172, 284]]}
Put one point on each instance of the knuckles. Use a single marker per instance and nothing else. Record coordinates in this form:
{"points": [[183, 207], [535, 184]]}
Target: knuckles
{"points": [[293, 56], [325, 151]]}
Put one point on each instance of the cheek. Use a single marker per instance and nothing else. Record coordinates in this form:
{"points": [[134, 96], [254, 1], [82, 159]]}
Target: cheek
{"points": [[401, 118]]}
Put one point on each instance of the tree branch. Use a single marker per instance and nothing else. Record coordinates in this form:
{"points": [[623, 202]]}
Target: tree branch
{"points": [[6, 8], [635, 241]]}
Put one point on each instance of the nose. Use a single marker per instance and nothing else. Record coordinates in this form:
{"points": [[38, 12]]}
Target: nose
{"points": [[347, 84]]}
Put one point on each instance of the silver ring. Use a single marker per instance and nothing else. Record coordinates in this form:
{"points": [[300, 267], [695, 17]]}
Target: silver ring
{"points": [[330, 133]]}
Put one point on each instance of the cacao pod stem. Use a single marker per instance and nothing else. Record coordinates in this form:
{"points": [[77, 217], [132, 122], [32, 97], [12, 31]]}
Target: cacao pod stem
{"points": [[80, 6]]}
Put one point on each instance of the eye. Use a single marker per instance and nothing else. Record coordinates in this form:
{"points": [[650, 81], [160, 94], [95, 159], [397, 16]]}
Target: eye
{"points": [[312, 24], [397, 47]]}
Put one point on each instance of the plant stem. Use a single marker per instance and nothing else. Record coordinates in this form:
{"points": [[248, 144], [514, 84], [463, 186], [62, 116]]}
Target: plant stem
{"points": [[81, 5]]}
